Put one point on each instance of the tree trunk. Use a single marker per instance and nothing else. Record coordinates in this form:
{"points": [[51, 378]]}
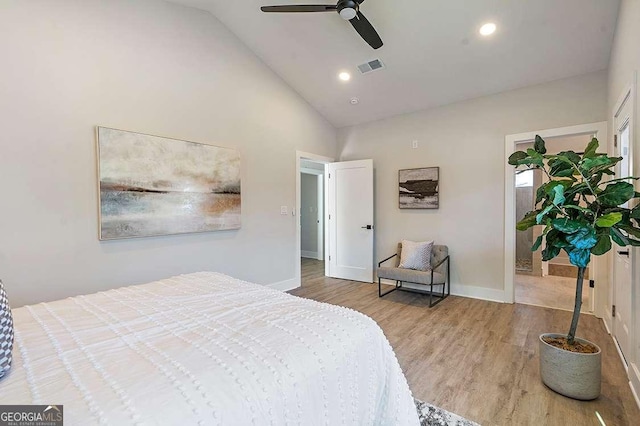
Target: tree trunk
{"points": [[576, 308]]}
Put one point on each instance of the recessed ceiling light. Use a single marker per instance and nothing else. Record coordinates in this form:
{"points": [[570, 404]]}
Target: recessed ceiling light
{"points": [[488, 29], [344, 76]]}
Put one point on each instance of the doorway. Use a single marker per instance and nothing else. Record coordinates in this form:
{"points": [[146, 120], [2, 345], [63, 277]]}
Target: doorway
{"points": [[347, 213], [312, 217], [598, 267], [310, 164], [548, 284]]}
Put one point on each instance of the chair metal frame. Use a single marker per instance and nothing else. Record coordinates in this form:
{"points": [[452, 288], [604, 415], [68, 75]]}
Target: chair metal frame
{"points": [[440, 296]]}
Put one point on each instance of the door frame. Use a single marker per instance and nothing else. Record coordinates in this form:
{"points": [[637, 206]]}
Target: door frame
{"points": [[301, 155], [598, 264], [633, 358]]}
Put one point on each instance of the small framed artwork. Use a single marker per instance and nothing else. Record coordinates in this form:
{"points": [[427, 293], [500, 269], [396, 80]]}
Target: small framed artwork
{"points": [[418, 188]]}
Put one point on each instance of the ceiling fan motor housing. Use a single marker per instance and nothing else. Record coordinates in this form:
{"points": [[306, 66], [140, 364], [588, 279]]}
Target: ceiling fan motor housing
{"points": [[348, 9]]}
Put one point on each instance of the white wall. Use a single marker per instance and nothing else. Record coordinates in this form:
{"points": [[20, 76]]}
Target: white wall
{"points": [[625, 61], [151, 67], [466, 140]]}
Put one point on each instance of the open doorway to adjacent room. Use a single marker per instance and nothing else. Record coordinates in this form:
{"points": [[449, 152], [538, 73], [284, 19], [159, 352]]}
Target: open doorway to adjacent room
{"points": [[312, 217], [335, 230], [528, 279], [550, 284], [311, 212]]}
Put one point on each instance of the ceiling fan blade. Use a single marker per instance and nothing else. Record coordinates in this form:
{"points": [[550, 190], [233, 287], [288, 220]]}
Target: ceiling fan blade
{"points": [[301, 8], [366, 31]]}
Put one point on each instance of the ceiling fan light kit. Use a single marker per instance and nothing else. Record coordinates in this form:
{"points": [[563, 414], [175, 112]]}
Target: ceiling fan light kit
{"points": [[349, 10], [348, 14]]}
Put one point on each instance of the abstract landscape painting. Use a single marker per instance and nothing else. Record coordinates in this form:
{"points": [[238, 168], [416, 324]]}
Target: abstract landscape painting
{"points": [[150, 185], [419, 188]]}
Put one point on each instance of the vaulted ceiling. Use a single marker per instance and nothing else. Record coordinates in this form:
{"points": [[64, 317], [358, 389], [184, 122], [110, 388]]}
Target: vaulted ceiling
{"points": [[432, 50]]}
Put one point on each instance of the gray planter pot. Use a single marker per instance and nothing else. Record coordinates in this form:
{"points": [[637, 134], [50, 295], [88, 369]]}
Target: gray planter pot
{"points": [[571, 374]]}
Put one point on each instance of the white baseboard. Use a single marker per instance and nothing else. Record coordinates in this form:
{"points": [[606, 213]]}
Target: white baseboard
{"points": [[472, 292], [285, 285], [635, 379], [607, 320], [310, 254]]}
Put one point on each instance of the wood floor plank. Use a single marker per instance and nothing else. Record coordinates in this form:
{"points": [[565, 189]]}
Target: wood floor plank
{"points": [[478, 358]]}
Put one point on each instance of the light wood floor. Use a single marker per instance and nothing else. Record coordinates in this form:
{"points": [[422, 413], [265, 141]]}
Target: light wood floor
{"points": [[550, 291], [480, 359]]}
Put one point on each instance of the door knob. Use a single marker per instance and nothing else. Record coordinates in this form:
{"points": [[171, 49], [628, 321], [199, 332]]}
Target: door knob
{"points": [[623, 253], [367, 227]]}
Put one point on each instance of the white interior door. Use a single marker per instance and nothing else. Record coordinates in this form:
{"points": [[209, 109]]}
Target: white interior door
{"points": [[622, 268], [350, 220]]}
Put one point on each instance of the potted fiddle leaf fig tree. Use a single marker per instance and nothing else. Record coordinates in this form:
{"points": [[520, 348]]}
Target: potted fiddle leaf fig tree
{"points": [[583, 208]]}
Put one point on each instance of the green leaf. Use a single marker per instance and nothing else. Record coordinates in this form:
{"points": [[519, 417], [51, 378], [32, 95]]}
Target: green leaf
{"points": [[635, 212], [602, 246], [616, 194], [620, 179], [516, 157], [558, 168], [580, 257], [584, 239], [541, 192], [533, 157], [629, 229], [527, 221], [591, 149], [550, 252], [556, 239], [537, 243], [558, 198], [608, 220], [594, 180], [577, 189], [538, 145], [543, 213], [578, 208], [530, 161], [618, 237], [566, 225], [571, 156], [547, 188], [592, 165], [561, 243]]}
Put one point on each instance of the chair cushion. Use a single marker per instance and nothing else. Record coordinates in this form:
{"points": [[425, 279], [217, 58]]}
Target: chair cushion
{"points": [[410, 275], [416, 255]]}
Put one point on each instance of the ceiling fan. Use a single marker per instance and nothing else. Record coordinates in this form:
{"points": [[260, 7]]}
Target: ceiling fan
{"points": [[349, 10]]}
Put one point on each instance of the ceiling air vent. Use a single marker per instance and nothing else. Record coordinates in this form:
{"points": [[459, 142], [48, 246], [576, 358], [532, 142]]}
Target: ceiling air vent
{"points": [[370, 66]]}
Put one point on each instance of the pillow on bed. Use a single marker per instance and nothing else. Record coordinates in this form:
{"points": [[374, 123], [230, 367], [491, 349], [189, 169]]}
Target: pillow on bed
{"points": [[416, 255], [6, 333]]}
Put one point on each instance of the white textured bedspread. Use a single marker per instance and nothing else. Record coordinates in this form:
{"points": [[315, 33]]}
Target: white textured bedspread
{"points": [[206, 349]]}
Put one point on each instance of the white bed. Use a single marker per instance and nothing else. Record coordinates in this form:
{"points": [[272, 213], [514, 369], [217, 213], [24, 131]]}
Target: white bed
{"points": [[205, 348]]}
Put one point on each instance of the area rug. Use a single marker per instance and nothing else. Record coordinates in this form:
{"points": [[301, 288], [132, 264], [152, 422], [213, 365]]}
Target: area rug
{"points": [[430, 415]]}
